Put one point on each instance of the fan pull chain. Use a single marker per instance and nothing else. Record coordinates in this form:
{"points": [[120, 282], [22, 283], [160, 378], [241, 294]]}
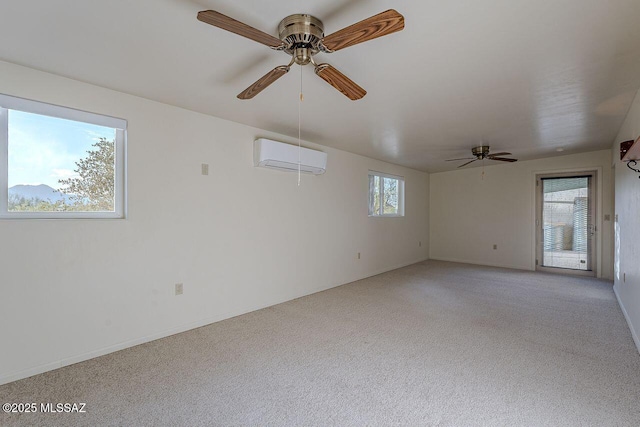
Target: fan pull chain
{"points": [[300, 126]]}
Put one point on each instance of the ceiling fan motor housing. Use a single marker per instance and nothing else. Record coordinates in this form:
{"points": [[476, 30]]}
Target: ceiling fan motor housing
{"points": [[301, 34], [481, 151]]}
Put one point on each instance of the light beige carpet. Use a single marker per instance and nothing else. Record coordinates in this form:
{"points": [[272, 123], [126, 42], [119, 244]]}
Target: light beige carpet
{"points": [[433, 344]]}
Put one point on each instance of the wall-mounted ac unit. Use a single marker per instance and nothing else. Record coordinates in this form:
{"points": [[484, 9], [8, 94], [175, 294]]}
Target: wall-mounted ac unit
{"points": [[281, 156]]}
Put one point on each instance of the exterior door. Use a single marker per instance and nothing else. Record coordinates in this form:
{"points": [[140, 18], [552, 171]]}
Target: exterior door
{"points": [[565, 223]]}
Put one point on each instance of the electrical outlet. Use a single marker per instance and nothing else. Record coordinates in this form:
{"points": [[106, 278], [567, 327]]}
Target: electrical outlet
{"points": [[179, 289], [495, 247], [205, 169], [358, 255], [607, 217]]}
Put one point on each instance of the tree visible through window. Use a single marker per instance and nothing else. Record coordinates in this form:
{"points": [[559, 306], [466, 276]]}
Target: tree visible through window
{"points": [[386, 195], [59, 167], [93, 189]]}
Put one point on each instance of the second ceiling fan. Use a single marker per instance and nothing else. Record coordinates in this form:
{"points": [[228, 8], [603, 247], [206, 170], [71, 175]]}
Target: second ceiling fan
{"points": [[481, 152], [302, 37]]}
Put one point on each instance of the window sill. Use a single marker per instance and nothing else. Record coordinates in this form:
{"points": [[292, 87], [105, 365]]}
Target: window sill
{"points": [[63, 216]]}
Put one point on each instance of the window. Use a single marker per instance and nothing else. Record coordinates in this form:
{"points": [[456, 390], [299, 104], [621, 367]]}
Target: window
{"points": [[386, 194], [57, 162]]}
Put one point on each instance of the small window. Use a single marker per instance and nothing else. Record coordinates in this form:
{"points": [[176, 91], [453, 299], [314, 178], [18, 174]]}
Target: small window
{"points": [[386, 194], [57, 162]]}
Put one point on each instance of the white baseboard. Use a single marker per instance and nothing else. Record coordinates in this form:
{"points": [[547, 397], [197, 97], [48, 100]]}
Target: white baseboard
{"points": [[193, 325], [636, 339], [486, 264], [385, 270]]}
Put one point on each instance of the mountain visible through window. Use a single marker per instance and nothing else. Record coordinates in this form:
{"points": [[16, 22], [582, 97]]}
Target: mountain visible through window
{"points": [[58, 162], [57, 165]]}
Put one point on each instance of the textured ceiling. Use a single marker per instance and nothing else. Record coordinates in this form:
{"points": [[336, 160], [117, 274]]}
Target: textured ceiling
{"points": [[527, 77]]}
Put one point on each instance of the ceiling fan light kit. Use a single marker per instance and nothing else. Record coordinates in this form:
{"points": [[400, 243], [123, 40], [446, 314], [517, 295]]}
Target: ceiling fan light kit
{"points": [[302, 37]]}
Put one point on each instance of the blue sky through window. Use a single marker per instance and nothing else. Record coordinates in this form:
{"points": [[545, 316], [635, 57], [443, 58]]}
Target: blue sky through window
{"points": [[44, 149]]}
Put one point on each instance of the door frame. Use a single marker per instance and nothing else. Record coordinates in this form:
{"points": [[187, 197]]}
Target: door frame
{"points": [[596, 258]]}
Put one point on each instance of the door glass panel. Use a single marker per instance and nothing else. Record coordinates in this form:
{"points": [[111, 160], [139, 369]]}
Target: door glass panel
{"points": [[566, 223]]}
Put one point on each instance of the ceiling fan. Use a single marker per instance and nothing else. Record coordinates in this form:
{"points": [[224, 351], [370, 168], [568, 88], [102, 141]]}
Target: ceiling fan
{"points": [[481, 152], [302, 37]]}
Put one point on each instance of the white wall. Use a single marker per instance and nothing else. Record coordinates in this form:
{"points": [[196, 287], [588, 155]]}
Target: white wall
{"points": [[239, 239], [468, 214], [627, 209]]}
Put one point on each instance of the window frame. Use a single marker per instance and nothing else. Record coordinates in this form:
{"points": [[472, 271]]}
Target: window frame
{"points": [[401, 196], [8, 102]]}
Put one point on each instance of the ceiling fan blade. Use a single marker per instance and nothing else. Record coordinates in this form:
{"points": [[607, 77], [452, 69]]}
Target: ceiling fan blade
{"points": [[341, 82], [474, 160], [464, 158], [498, 154], [503, 159], [222, 21], [264, 82], [377, 26]]}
